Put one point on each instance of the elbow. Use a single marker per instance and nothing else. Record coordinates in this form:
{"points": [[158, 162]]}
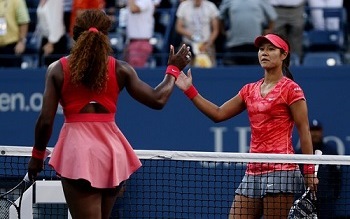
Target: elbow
{"points": [[44, 123], [178, 28], [216, 120], [159, 105], [160, 101], [135, 10]]}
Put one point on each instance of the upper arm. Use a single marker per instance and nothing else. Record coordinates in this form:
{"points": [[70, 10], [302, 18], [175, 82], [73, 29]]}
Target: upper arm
{"points": [[179, 24], [299, 113], [138, 89], [300, 116], [215, 24], [215, 14], [128, 78], [52, 92]]}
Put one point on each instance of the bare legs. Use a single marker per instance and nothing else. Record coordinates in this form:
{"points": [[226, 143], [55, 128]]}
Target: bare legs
{"points": [[85, 202], [272, 206]]}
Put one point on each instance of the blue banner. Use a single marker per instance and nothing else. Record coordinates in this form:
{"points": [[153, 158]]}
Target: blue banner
{"points": [[180, 126]]}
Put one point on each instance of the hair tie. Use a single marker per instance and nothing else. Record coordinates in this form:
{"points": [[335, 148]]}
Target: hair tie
{"points": [[93, 29]]}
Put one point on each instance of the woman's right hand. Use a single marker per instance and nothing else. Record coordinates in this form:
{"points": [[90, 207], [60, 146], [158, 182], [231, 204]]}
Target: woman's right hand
{"points": [[35, 166], [183, 82]]}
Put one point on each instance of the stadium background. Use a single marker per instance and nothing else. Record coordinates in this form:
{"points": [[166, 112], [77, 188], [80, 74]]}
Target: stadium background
{"points": [[179, 126]]}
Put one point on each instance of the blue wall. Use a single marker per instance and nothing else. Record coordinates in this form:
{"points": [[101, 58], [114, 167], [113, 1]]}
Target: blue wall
{"points": [[179, 126]]}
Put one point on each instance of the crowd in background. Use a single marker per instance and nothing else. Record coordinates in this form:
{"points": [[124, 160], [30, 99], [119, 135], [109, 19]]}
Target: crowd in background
{"points": [[220, 32]]}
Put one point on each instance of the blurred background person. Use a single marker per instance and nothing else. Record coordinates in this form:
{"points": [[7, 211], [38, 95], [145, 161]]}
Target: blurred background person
{"points": [[78, 6], [14, 23], [328, 190], [51, 28], [67, 8], [244, 21], [329, 176], [111, 11], [290, 22], [318, 21], [197, 21], [139, 31]]}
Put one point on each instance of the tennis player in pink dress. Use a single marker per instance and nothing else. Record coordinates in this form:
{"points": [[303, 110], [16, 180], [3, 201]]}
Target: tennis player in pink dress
{"points": [[92, 156], [274, 104]]}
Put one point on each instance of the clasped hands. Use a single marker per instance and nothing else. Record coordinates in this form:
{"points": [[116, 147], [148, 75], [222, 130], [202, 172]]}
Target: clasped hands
{"points": [[181, 59]]}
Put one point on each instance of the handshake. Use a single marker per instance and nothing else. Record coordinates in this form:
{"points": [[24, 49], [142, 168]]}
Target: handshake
{"points": [[176, 63]]}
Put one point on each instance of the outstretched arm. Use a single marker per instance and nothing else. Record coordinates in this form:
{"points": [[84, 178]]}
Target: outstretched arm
{"points": [[157, 97], [229, 109]]}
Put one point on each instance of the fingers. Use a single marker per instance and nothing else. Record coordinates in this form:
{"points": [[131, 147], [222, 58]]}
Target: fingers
{"points": [[32, 175], [184, 50], [189, 73], [171, 50], [181, 50]]}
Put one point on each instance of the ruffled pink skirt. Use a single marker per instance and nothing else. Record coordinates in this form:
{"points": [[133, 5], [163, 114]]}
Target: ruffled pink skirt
{"points": [[95, 151]]}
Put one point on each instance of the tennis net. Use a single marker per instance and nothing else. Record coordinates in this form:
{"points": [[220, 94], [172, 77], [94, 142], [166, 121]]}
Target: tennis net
{"points": [[183, 184]]}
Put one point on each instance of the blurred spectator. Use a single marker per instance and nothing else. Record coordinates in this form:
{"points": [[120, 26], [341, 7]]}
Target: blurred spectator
{"points": [[290, 22], [198, 24], [346, 5], [328, 189], [318, 21], [67, 8], [139, 31], [245, 19], [14, 22], [78, 6], [32, 3], [51, 29], [161, 5], [217, 2], [111, 11]]}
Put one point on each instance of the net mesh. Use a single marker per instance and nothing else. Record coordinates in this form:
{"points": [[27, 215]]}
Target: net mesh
{"points": [[183, 184]]}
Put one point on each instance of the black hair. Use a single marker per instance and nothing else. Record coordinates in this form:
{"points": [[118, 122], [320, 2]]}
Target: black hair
{"points": [[286, 61]]}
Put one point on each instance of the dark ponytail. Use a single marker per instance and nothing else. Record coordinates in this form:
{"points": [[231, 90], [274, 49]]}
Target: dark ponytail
{"points": [[286, 61], [89, 56], [285, 67]]}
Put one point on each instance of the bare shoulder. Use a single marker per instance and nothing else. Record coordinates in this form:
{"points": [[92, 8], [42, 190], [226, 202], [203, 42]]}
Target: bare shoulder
{"points": [[125, 73], [55, 72], [124, 67]]}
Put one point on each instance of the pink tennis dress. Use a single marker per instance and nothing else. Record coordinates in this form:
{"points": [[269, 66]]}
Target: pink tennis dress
{"points": [[91, 146]]}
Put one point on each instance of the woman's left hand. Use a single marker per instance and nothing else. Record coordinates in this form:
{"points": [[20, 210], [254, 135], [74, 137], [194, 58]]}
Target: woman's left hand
{"points": [[311, 182]]}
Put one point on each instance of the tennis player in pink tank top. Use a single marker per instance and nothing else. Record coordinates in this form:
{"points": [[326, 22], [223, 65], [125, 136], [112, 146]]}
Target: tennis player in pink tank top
{"points": [[92, 156], [274, 104]]}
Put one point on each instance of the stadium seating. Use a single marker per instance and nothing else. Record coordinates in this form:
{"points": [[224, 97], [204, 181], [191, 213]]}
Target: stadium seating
{"points": [[294, 59], [314, 40], [322, 59], [327, 40]]}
